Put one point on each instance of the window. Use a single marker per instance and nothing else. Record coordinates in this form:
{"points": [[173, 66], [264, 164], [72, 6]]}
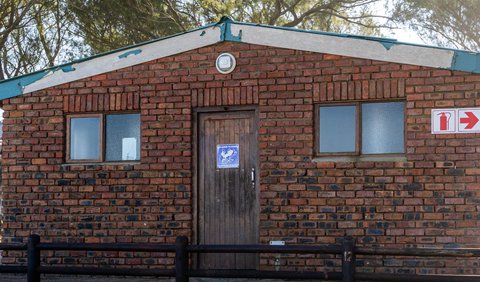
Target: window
{"points": [[101, 137], [361, 129]]}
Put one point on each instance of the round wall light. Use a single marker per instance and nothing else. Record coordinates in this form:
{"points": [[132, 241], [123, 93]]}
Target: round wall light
{"points": [[225, 63]]}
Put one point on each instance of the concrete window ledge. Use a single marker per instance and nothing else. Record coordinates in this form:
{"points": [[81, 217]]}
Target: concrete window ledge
{"points": [[369, 158], [101, 164]]}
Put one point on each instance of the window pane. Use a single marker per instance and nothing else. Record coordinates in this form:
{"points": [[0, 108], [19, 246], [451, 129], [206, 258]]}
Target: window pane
{"points": [[382, 128], [85, 138], [337, 129], [123, 137]]}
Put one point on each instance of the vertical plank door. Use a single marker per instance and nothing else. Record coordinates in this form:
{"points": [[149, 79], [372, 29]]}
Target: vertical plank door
{"points": [[227, 186]]}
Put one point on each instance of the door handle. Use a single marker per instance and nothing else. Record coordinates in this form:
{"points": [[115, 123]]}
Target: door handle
{"points": [[252, 177]]}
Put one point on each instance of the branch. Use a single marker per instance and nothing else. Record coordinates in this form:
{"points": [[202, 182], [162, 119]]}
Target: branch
{"points": [[349, 20], [43, 40], [313, 10], [174, 15]]}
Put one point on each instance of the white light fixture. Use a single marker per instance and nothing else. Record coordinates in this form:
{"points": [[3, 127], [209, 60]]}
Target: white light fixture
{"points": [[225, 63]]}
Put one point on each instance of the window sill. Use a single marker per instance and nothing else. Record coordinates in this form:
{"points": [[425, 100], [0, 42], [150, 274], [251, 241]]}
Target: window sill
{"points": [[369, 158], [101, 163]]}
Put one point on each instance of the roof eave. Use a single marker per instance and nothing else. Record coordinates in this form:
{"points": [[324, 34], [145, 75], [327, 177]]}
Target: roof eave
{"points": [[227, 30]]}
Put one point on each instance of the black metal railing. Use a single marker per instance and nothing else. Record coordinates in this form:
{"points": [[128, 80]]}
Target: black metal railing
{"points": [[182, 271]]}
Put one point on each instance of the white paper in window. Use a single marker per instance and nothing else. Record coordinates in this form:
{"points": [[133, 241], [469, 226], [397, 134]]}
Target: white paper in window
{"points": [[129, 149]]}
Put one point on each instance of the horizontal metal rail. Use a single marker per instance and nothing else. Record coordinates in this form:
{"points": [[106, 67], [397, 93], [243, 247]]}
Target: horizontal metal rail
{"points": [[395, 277], [419, 252], [295, 249], [106, 271], [13, 269], [266, 274], [125, 247], [182, 272], [13, 247]]}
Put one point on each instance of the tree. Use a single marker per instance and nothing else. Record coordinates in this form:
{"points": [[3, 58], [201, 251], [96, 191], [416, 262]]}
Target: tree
{"points": [[36, 34], [324, 15], [448, 23], [13, 16], [111, 24]]}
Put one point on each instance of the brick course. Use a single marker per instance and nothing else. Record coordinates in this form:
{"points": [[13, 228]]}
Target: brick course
{"points": [[431, 199]]}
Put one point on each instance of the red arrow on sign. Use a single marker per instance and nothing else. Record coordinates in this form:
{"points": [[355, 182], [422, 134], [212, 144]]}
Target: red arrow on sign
{"points": [[471, 119]]}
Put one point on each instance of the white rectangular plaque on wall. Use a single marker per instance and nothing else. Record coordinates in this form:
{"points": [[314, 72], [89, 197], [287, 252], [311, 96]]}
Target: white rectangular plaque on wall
{"points": [[447, 121]]}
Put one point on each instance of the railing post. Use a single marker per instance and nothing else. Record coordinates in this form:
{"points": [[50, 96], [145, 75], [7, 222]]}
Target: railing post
{"points": [[348, 259], [33, 258], [181, 259]]}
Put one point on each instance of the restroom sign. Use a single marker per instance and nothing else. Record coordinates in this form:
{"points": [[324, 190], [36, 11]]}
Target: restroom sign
{"points": [[447, 121], [228, 156]]}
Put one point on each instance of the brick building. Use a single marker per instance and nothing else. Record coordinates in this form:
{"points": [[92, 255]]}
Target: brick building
{"points": [[291, 135]]}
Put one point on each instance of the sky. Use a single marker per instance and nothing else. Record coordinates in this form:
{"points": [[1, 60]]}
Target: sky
{"points": [[406, 35], [403, 33]]}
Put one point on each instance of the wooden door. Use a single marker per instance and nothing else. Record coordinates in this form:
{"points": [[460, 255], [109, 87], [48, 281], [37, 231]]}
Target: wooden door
{"points": [[227, 186]]}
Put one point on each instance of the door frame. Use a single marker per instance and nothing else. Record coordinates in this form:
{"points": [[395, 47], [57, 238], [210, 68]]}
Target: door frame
{"points": [[195, 141]]}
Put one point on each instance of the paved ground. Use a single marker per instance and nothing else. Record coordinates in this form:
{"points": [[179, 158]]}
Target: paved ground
{"points": [[55, 278], [85, 278]]}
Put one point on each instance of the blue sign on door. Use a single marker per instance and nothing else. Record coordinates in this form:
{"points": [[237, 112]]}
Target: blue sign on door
{"points": [[228, 156]]}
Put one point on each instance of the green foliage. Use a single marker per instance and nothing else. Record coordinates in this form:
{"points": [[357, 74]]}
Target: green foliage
{"points": [[109, 24], [35, 34], [449, 23], [325, 15], [14, 15]]}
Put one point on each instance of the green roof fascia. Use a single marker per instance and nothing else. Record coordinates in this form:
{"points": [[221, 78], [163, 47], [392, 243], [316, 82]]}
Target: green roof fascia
{"points": [[466, 61]]}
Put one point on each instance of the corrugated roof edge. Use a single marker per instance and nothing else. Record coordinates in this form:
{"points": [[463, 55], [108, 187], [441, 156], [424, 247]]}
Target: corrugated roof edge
{"points": [[462, 60]]}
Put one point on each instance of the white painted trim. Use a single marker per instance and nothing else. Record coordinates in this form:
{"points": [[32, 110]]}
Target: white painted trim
{"points": [[344, 46], [155, 50], [260, 35]]}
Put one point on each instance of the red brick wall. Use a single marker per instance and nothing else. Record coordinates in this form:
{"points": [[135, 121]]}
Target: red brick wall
{"points": [[431, 199]]}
